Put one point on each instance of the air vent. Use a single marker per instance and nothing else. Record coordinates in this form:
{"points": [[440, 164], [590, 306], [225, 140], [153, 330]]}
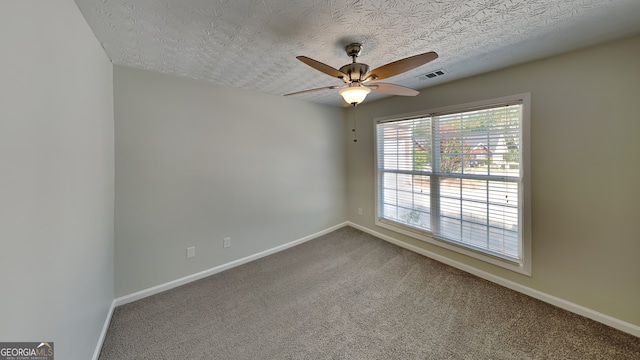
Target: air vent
{"points": [[432, 74]]}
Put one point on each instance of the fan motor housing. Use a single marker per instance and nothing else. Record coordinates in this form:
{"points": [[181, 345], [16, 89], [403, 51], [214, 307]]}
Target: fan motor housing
{"points": [[356, 72], [353, 49]]}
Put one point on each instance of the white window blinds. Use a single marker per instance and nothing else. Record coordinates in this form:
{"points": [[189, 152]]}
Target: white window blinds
{"points": [[456, 177]]}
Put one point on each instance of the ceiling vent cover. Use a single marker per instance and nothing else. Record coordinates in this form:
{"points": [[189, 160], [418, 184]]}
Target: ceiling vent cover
{"points": [[432, 74]]}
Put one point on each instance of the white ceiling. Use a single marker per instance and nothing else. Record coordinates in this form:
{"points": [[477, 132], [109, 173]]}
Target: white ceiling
{"points": [[252, 44]]}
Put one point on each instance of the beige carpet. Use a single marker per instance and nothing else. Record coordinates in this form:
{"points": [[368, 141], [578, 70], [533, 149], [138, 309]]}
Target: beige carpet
{"points": [[348, 295]]}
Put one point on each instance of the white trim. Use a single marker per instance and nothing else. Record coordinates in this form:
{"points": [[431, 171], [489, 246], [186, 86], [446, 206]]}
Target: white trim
{"points": [[203, 274], [550, 299], [103, 333], [429, 238]]}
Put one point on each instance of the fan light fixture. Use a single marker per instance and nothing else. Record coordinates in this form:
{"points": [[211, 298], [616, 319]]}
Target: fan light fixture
{"points": [[354, 94]]}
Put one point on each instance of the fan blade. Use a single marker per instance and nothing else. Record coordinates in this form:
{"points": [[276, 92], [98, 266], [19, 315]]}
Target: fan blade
{"points": [[400, 66], [322, 67], [313, 90], [392, 89]]}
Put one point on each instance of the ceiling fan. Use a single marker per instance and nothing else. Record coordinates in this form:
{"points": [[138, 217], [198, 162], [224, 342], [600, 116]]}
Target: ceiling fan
{"points": [[358, 79]]}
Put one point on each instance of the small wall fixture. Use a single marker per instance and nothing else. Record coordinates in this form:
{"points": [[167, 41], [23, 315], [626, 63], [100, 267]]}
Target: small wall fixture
{"points": [[354, 94]]}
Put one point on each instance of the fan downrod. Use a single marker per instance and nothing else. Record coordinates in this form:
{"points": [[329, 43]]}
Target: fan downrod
{"points": [[355, 71]]}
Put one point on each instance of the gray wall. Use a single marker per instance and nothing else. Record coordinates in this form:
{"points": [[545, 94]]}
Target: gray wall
{"points": [[57, 178], [196, 162], [584, 150]]}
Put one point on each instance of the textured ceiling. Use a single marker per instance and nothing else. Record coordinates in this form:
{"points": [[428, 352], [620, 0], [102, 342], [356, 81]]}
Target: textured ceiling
{"points": [[252, 44]]}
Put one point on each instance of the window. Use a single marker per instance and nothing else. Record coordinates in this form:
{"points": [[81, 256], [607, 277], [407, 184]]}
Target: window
{"points": [[455, 177]]}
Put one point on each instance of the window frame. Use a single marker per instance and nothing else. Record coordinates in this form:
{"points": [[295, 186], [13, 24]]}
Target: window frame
{"points": [[522, 266]]}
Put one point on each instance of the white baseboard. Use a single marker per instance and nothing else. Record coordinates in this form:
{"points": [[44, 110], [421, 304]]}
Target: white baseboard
{"points": [[103, 333], [203, 274], [553, 300]]}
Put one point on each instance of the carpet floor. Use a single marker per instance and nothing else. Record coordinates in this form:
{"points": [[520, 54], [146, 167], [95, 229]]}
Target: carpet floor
{"points": [[349, 295]]}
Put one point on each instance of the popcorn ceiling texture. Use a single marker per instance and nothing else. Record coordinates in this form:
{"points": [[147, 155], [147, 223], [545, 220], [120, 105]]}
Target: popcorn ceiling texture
{"points": [[252, 44]]}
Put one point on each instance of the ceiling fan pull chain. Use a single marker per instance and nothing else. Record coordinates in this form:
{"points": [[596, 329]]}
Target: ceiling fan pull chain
{"points": [[355, 126]]}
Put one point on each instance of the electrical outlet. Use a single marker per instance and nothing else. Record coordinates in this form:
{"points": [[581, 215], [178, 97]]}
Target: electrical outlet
{"points": [[227, 242], [191, 252], [359, 211]]}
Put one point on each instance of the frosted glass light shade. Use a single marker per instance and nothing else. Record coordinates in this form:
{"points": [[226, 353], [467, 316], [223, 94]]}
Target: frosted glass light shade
{"points": [[354, 94]]}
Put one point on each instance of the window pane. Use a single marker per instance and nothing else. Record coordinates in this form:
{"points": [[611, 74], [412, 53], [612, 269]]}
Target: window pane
{"points": [[450, 228], [421, 132], [450, 198], [406, 199], [504, 242], [450, 141], [473, 211], [405, 145], [483, 141], [475, 234]]}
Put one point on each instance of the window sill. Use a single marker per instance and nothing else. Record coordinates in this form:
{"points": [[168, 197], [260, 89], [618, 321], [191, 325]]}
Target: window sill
{"points": [[519, 267]]}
